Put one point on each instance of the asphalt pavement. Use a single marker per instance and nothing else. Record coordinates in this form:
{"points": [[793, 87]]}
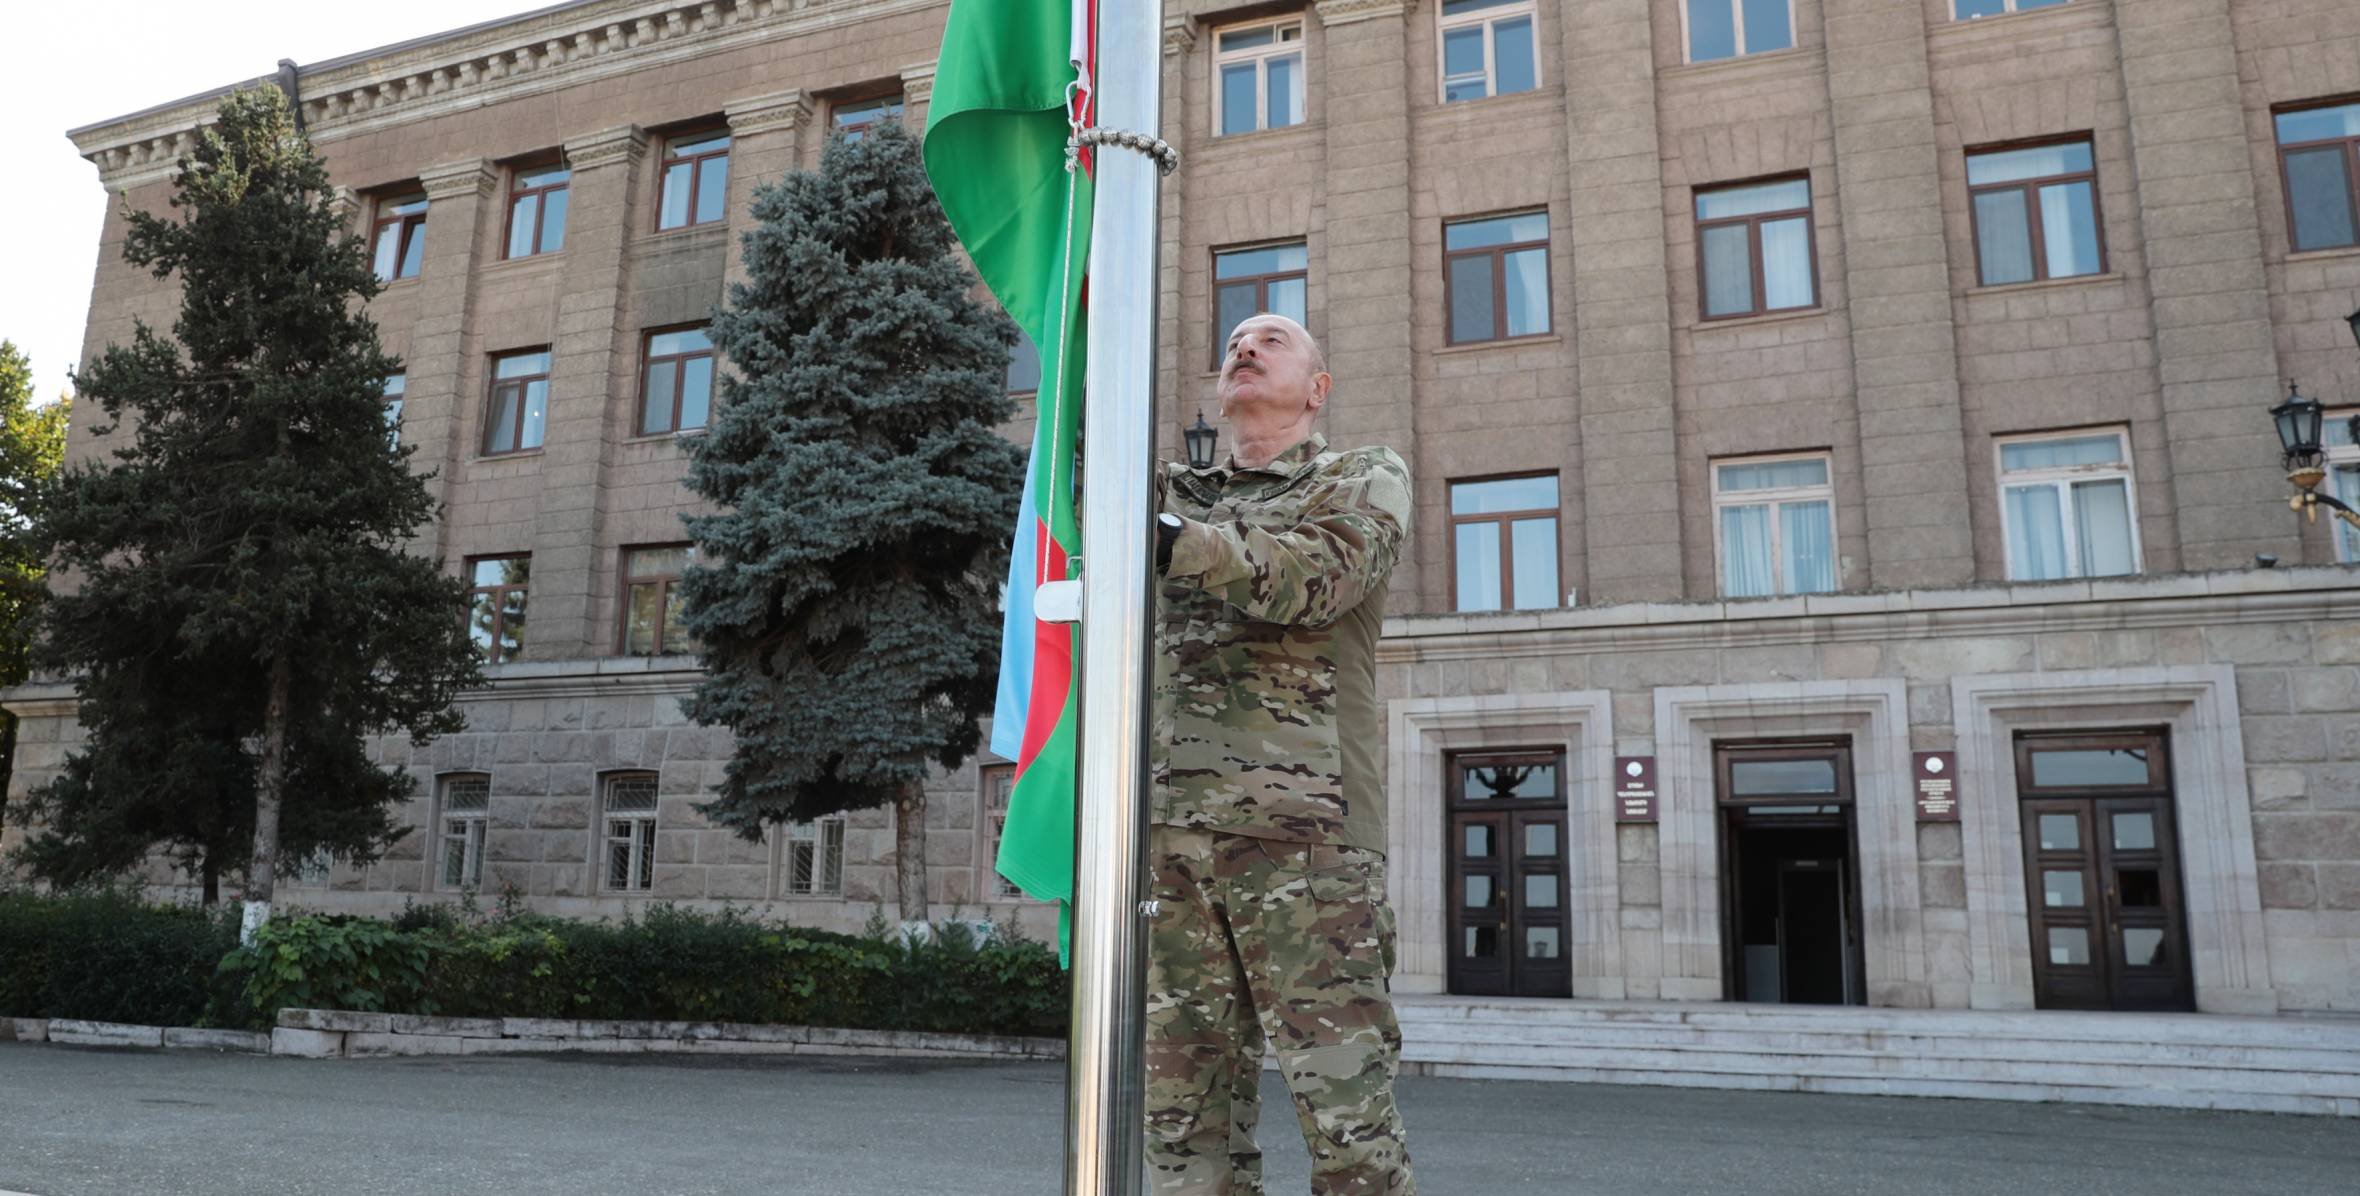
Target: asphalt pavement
{"points": [[78, 1121]]}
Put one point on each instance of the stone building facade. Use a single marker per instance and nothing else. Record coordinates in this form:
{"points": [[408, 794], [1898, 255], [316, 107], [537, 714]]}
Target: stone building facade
{"points": [[1876, 393]]}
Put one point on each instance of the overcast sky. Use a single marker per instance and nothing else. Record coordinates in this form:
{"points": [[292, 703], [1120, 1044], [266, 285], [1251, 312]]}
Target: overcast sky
{"points": [[75, 64]]}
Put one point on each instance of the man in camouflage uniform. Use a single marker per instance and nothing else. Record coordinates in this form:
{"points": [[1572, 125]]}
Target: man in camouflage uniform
{"points": [[1267, 852]]}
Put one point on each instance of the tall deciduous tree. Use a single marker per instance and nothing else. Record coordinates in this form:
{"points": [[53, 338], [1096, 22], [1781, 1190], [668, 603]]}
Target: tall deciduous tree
{"points": [[32, 442], [847, 597], [244, 611]]}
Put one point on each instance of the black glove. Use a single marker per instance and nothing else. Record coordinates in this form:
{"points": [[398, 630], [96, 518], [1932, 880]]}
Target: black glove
{"points": [[1167, 533]]}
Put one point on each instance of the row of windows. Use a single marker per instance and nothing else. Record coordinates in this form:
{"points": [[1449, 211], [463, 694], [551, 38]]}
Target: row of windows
{"points": [[648, 608], [1488, 48], [2068, 509], [809, 863], [2035, 218], [811, 859], [693, 190], [675, 392]]}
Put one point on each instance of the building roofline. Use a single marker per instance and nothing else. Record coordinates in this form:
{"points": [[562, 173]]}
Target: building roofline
{"points": [[328, 64], [529, 53]]}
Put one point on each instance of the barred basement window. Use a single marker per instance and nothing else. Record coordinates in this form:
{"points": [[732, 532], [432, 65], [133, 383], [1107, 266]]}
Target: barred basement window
{"points": [[315, 867], [630, 833], [814, 859], [466, 810], [999, 781]]}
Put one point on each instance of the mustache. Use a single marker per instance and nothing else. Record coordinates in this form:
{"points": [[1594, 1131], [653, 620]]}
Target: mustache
{"points": [[1240, 366]]}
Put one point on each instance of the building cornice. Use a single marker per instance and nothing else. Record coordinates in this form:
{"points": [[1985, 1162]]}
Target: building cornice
{"points": [[1345, 12], [467, 68], [1179, 34], [623, 144], [455, 180], [779, 111], [2120, 604]]}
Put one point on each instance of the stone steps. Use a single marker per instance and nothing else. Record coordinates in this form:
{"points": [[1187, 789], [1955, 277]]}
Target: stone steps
{"points": [[2171, 1060]]}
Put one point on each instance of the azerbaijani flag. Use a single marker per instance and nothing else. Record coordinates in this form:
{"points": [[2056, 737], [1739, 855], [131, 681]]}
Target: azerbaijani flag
{"points": [[1011, 75]]}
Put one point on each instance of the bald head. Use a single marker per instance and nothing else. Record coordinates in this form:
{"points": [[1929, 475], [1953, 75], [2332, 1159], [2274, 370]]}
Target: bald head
{"points": [[1274, 380]]}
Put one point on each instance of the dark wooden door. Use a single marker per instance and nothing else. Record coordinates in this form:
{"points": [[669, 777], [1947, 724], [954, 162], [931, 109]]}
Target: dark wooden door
{"points": [[2101, 864], [1509, 933]]}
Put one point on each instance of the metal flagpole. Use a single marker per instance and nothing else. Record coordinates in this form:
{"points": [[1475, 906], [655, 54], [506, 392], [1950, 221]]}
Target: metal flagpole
{"points": [[1105, 1070]]}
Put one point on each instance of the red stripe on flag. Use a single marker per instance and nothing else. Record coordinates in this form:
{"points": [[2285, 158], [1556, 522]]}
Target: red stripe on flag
{"points": [[1052, 661]]}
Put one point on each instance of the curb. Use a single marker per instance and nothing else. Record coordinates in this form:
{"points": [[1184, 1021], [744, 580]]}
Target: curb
{"points": [[342, 1034], [78, 1032]]}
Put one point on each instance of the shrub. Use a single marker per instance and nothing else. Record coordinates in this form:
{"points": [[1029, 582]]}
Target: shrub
{"points": [[111, 956], [106, 955]]}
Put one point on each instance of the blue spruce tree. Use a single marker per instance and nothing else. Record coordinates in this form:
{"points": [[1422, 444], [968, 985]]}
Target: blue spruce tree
{"points": [[846, 601]]}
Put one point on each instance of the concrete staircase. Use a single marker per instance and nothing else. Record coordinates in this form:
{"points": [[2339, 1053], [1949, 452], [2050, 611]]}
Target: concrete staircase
{"points": [[2193, 1061]]}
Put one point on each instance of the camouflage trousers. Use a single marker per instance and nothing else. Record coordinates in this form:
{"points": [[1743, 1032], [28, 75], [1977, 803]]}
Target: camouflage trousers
{"points": [[1257, 941]]}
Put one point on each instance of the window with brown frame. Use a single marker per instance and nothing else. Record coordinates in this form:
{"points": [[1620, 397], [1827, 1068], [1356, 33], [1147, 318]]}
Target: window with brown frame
{"points": [[1496, 277], [651, 599], [632, 807], [399, 237], [676, 383], [2319, 164], [854, 117], [696, 180], [1024, 367], [2035, 212], [1250, 282], [495, 605], [1754, 252], [1504, 543], [519, 412], [396, 386], [536, 209]]}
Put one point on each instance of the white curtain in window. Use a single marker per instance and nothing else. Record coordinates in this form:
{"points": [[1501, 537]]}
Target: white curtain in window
{"points": [[1728, 271], [2102, 521], [1745, 552], [1786, 264], [2347, 488], [1808, 541], [2036, 533]]}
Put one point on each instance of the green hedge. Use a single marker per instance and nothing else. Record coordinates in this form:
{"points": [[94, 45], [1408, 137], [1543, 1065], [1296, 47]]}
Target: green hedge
{"points": [[667, 964], [112, 957]]}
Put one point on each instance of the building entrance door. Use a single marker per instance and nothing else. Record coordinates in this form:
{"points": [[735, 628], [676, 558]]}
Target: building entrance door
{"points": [[2102, 862], [1508, 931], [1791, 903]]}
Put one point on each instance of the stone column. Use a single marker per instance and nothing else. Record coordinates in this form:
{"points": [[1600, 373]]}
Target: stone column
{"points": [[1904, 345], [460, 196], [1172, 412], [1630, 502], [2215, 354], [592, 353], [1369, 312], [765, 134], [917, 95]]}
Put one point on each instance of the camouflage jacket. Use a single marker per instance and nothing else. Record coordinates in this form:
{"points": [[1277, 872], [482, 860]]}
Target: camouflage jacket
{"points": [[1266, 718]]}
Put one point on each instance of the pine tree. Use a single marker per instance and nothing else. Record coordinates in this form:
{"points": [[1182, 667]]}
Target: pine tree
{"points": [[32, 443], [847, 599], [244, 610]]}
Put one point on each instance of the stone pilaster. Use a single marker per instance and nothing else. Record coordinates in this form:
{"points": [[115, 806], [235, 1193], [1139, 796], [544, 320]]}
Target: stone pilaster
{"points": [[1904, 344], [766, 136], [1173, 412], [460, 197], [2215, 354], [1368, 259], [917, 95], [1630, 502], [592, 354]]}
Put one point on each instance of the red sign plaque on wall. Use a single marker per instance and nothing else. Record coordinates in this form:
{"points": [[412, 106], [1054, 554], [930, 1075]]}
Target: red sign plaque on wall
{"points": [[1634, 789], [1935, 776]]}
